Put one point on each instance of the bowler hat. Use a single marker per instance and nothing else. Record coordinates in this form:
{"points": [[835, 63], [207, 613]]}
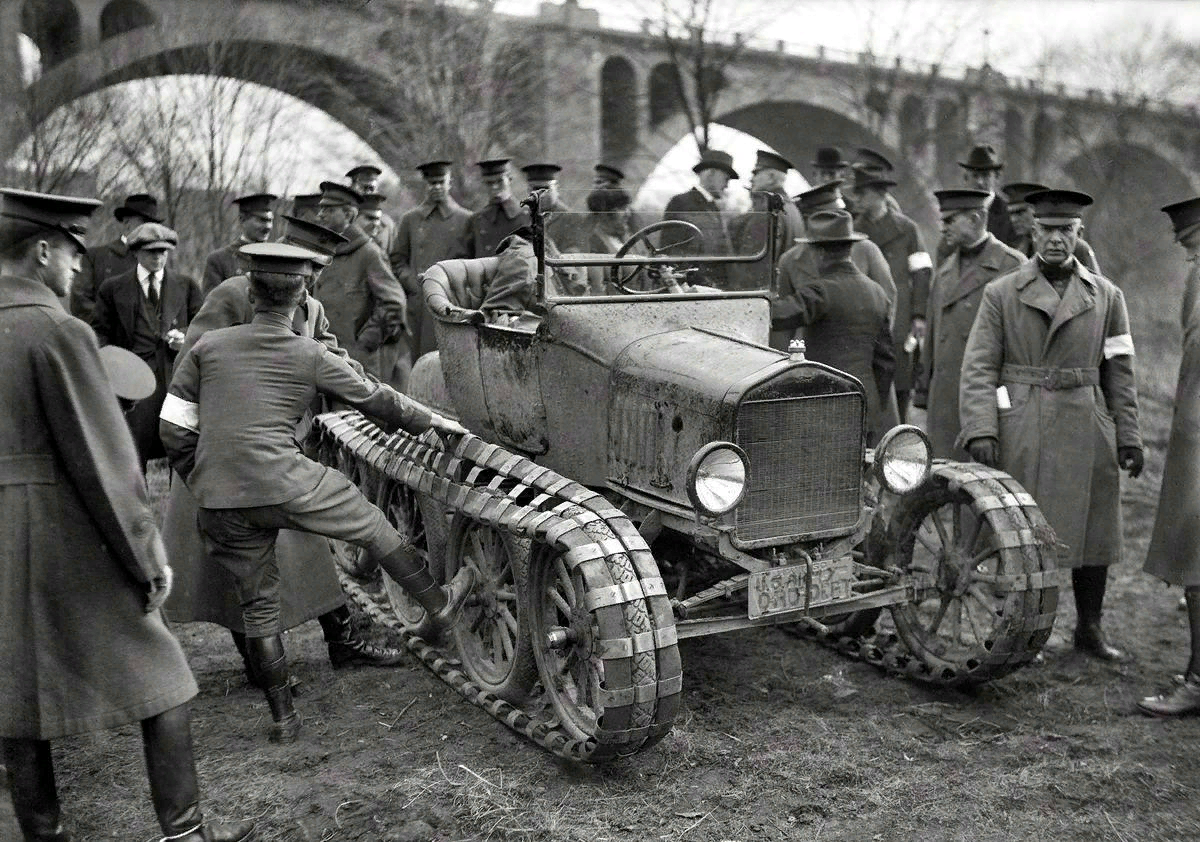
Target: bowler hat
{"points": [[434, 169], [334, 194], [1185, 216], [830, 227], [961, 199], [827, 196], [364, 169], [1058, 207], [864, 178], [982, 157], [715, 159], [24, 213], [314, 237], [139, 204], [770, 161], [830, 158], [255, 203], [1016, 192], [152, 236], [609, 173], [280, 259], [871, 161]]}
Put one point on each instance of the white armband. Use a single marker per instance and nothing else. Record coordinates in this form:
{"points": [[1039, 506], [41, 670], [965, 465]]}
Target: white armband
{"points": [[181, 413], [919, 260], [1118, 346]]}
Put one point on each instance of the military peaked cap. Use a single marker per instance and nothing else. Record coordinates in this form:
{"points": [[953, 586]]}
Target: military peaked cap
{"points": [[608, 199], [493, 166], [1058, 207], [541, 172], [715, 159], [24, 213], [864, 178], [830, 158], [1185, 216], [962, 199], [255, 203], [610, 173], [830, 227], [871, 161], [281, 259], [309, 235], [434, 169], [1016, 192], [139, 204], [982, 157], [770, 161], [152, 236], [306, 200], [361, 169], [372, 201], [827, 196], [334, 194]]}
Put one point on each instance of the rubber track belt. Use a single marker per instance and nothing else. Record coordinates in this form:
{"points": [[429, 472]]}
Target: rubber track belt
{"points": [[624, 592]]}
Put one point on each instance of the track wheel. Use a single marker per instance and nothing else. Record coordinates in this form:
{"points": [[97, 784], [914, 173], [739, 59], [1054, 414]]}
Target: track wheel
{"points": [[407, 511], [985, 576], [492, 639]]}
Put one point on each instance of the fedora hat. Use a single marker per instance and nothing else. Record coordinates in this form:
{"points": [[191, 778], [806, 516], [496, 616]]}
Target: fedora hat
{"points": [[830, 227], [715, 159], [139, 204], [982, 157]]}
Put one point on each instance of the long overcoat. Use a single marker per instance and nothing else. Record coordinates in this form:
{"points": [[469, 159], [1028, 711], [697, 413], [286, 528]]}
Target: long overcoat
{"points": [[1066, 366], [694, 207], [488, 226], [426, 234], [78, 543], [98, 265], [222, 264], [953, 303], [1174, 554], [204, 590]]}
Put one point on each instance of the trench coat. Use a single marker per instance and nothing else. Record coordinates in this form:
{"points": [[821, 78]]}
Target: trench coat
{"points": [[115, 319], [1067, 368], [78, 544], [953, 303], [426, 234], [204, 590], [97, 266], [1174, 554], [911, 267], [488, 227]]}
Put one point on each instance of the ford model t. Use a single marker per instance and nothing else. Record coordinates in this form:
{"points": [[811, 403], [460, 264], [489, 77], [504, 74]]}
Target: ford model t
{"points": [[643, 467]]}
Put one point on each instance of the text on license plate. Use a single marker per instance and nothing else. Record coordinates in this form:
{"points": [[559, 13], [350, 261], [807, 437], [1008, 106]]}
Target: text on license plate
{"points": [[782, 589]]}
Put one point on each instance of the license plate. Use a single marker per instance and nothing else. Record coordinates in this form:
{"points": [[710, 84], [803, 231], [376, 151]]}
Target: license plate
{"points": [[782, 589]]}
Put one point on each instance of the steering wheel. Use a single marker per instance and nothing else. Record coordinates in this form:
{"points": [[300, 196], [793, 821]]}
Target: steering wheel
{"points": [[643, 236]]}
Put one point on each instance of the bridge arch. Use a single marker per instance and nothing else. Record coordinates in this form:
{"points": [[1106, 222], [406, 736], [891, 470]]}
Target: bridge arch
{"points": [[119, 16], [618, 110], [55, 28]]}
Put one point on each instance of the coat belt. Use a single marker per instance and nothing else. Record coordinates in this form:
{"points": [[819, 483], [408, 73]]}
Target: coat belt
{"points": [[1050, 378], [28, 469]]}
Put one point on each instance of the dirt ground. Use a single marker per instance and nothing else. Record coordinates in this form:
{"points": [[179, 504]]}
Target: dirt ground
{"points": [[778, 739]]}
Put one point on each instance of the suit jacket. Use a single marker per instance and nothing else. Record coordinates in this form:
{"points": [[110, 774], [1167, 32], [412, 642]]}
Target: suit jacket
{"points": [[693, 207], [98, 265]]}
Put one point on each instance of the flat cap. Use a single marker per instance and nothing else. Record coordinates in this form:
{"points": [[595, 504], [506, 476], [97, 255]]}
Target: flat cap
{"points": [[827, 196], [830, 226], [871, 161], [982, 157], [314, 237], [434, 169], [372, 201], [24, 213], [335, 195], [1185, 216], [609, 173], [139, 204], [961, 199], [541, 172], [1016, 192], [715, 159], [864, 178], [770, 161], [281, 259], [152, 236], [493, 166], [255, 202], [1058, 207], [364, 169], [829, 158]]}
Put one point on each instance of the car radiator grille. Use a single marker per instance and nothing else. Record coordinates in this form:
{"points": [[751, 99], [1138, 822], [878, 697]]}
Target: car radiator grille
{"points": [[805, 466]]}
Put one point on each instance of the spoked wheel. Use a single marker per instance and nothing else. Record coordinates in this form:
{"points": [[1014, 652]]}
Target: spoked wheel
{"points": [[407, 512], [985, 575], [492, 638]]}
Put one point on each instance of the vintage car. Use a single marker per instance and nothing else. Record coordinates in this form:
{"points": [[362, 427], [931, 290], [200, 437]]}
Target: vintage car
{"points": [[724, 483]]}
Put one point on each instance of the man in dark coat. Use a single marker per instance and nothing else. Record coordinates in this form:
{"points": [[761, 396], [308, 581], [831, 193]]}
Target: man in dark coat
{"points": [[977, 259], [147, 311], [83, 645], [501, 216], [844, 314], [434, 230], [900, 241], [1048, 395], [1174, 554], [748, 232], [365, 179], [307, 206], [309, 587], [981, 171], [255, 219], [111, 259], [607, 175], [699, 206], [250, 478], [828, 165], [566, 228], [1020, 216]]}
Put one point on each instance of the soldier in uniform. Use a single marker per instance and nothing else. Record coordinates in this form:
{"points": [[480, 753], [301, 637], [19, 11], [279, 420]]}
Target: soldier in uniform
{"points": [[828, 165], [363, 300], [147, 311], [900, 241], [255, 219], [434, 230], [111, 259], [844, 314], [1048, 395], [565, 229], [251, 479], [83, 645], [364, 179], [700, 207], [307, 206], [981, 171], [370, 217], [607, 175], [977, 258], [1020, 216], [749, 231], [206, 591], [503, 214], [1174, 554]]}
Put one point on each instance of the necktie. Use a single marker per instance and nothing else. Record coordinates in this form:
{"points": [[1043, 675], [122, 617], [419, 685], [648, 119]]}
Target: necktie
{"points": [[152, 291]]}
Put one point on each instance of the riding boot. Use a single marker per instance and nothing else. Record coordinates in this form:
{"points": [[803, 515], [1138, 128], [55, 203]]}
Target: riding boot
{"points": [[270, 665], [167, 743], [347, 649], [34, 794], [443, 604], [1088, 584], [239, 640]]}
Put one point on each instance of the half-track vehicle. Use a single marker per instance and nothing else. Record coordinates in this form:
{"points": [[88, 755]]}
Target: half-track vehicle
{"points": [[644, 467]]}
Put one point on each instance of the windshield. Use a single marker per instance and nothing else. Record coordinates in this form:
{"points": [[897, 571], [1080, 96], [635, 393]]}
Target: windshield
{"points": [[625, 250]]}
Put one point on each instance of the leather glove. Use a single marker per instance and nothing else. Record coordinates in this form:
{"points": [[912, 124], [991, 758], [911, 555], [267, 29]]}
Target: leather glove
{"points": [[159, 589], [1132, 460], [985, 450]]}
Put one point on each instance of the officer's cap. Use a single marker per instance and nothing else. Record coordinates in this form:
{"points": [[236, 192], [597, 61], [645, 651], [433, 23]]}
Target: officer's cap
{"points": [[864, 178], [961, 199], [493, 166], [364, 169], [1058, 207], [305, 200], [827, 196], [280, 259], [871, 161], [309, 235], [610, 173], [24, 213], [770, 161], [1016, 192], [372, 201], [255, 203], [152, 236], [1185, 216], [541, 173], [434, 169], [336, 195]]}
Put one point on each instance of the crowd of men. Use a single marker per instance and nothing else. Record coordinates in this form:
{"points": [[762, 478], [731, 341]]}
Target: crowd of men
{"points": [[1009, 336]]}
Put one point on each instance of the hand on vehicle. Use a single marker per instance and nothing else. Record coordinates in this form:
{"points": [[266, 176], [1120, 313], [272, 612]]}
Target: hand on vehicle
{"points": [[447, 426], [159, 589], [1131, 460], [985, 451]]}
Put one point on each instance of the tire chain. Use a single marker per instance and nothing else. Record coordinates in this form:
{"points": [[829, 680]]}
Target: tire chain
{"points": [[511, 493]]}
